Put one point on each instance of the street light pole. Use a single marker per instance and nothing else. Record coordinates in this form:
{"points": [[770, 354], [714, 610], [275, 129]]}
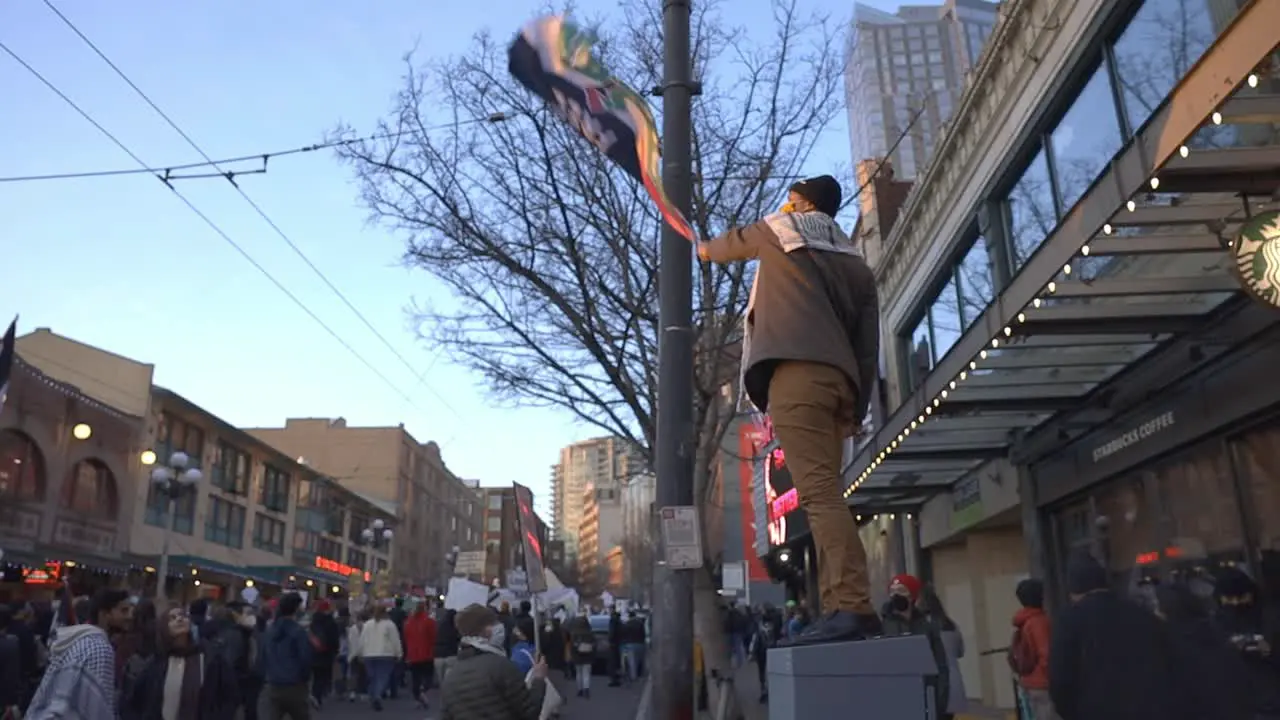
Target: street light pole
{"points": [[173, 480], [374, 536], [672, 697]]}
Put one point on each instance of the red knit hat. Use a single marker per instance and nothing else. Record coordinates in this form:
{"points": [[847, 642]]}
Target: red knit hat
{"points": [[910, 582]]}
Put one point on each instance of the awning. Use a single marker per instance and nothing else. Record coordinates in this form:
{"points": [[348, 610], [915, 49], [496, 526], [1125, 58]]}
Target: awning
{"points": [[178, 563], [1140, 262]]}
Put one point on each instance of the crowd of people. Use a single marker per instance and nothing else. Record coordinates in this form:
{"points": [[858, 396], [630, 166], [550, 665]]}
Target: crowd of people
{"points": [[118, 656], [1162, 652]]}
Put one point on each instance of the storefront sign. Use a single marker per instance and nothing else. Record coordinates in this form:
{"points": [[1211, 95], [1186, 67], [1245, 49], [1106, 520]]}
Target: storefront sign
{"points": [[1134, 435], [1257, 255], [47, 574], [18, 523], [336, 567], [79, 535]]}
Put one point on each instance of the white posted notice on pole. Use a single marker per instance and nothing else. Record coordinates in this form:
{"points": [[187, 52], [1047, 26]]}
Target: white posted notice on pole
{"points": [[681, 538]]}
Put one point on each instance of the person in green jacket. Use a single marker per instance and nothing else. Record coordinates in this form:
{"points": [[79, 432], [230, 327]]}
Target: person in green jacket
{"points": [[484, 684]]}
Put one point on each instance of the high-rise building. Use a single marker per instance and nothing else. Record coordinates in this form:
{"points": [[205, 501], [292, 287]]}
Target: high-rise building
{"points": [[909, 62], [436, 510], [604, 464]]}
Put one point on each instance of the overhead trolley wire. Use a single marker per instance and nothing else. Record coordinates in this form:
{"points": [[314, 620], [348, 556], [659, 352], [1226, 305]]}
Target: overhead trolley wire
{"points": [[210, 223], [256, 207]]}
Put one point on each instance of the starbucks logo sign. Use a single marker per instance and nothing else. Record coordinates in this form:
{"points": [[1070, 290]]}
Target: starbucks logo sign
{"points": [[1257, 255]]}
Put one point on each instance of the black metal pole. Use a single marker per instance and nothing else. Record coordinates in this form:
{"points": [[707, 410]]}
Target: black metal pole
{"points": [[672, 697]]}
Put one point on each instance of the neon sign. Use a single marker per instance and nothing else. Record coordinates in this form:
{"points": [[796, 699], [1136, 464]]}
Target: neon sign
{"points": [[334, 566], [50, 573], [784, 503]]}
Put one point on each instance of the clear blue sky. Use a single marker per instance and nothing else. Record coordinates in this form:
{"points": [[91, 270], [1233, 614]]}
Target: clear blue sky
{"points": [[122, 264]]}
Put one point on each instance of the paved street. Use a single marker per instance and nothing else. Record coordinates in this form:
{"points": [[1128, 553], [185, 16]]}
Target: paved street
{"points": [[613, 703]]}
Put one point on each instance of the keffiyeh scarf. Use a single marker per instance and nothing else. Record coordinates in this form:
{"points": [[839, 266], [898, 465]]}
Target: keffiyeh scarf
{"points": [[810, 230]]}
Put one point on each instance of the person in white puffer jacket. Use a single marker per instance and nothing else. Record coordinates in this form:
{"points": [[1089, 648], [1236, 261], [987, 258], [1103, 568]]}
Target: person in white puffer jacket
{"points": [[357, 677], [380, 649]]}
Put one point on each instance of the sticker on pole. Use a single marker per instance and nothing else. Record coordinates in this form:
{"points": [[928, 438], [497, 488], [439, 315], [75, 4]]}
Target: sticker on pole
{"points": [[681, 540]]}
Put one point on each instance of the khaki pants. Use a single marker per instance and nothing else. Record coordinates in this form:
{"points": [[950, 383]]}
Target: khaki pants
{"points": [[811, 406]]}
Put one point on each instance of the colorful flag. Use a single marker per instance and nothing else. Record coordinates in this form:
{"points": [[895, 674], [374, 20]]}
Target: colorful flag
{"points": [[552, 57], [6, 359]]}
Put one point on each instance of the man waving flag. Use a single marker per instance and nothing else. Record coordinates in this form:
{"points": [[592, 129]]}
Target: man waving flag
{"points": [[6, 359]]}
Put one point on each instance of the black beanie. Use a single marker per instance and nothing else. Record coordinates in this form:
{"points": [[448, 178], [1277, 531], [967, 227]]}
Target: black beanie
{"points": [[1085, 574], [823, 191]]}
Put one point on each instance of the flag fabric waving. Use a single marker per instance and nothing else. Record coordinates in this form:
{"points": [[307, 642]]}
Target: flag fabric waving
{"points": [[552, 57], [6, 359]]}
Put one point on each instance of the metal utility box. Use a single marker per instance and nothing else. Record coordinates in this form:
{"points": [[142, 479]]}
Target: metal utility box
{"points": [[882, 679]]}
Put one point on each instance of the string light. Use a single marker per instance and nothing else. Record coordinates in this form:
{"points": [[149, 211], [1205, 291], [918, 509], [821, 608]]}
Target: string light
{"points": [[1036, 303], [1253, 81]]}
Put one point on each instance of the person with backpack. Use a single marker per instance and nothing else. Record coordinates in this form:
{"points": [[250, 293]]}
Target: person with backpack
{"points": [[1028, 653]]}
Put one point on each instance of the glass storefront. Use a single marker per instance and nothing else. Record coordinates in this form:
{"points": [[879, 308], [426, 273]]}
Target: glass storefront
{"points": [[1182, 517]]}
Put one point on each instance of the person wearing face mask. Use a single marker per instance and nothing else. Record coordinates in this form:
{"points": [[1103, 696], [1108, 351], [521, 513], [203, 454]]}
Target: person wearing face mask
{"points": [[381, 650], [1253, 633], [582, 649], [903, 616], [186, 679], [484, 683], [244, 660]]}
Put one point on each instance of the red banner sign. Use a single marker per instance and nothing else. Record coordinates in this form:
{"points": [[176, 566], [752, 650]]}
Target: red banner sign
{"points": [[750, 440]]}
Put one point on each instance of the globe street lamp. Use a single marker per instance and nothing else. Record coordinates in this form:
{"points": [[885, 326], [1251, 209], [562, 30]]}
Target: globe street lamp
{"points": [[172, 482], [377, 535]]}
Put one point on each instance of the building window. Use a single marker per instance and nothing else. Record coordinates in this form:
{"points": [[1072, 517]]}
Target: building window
{"points": [[357, 526], [1085, 140], [268, 533], [1258, 460], [329, 548], [90, 490], [172, 435], [157, 512], [1159, 46], [230, 471], [224, 523], [976, 283], [357, 558], [1172, 521], [495, 502], [493, 524], [22, 472], [275, 489], [1030, 210]]}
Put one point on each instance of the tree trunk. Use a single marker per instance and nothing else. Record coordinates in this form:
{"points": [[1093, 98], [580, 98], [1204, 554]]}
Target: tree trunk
{"points": [[708, 620], [708, 628]]}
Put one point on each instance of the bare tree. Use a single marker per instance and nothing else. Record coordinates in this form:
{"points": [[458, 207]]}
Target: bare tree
{"points": [[551, 252], [638, 554]]}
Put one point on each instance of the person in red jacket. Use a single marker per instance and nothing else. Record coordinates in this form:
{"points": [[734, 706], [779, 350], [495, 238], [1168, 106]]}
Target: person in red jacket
{"points": [[420, 651], [1029, 651]]}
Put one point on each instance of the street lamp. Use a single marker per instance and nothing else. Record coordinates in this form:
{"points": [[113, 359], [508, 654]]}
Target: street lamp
{"points": [[378, 534], [172, 481]]}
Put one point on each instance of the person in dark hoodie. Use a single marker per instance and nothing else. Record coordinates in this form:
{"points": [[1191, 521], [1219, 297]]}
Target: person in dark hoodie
{"points": [[13, 684], [287, 658], [1109, 658], [245, 663], [1212, 677], [1254, 634], [447, 639], [325, 638], [810, 357]]}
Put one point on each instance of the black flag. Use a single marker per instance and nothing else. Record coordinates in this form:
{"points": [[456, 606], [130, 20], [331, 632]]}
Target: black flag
{"points": [[6, 359]]}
